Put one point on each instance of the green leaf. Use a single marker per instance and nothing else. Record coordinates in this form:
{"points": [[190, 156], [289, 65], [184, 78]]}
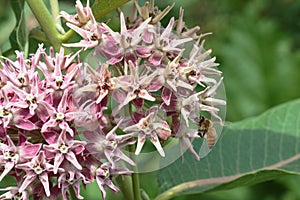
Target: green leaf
{"points": [[18, 38], [7, 24], [250, 151], [101, 8]]}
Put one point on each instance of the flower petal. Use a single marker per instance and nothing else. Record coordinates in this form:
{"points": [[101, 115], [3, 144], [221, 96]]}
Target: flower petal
{"points": [[8, 166], [59, 158], [45, 181], [30, 177], [70, 156], [29, 151], [154, 139], [140, 143]]}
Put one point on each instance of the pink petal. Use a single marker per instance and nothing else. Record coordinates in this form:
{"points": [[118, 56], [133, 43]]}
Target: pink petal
{"points": [[57, 161], [110, 184], [185, 115], [65, 126], [155, 85], [25, 124], [70, 156], [138, 103], [8, 166], [154, 139], [71, 74], [143, 52], [144, 94], [140, 143], [76, 187], [123, 156], [110, 47], [78, 150], [63, 102], [114, 60], [50, 137], [148, 36], [123, 24], [168, 29], [86, 44], [50, 123], [21, 104], [82, 32], [22, 139], [32, 108], [166, 95], [102, 94], [45, 110], [131, 57], [45, 181], [29, 151], [100, 183], [30, 177], [10, 194], [156, 58], [130, 96]]}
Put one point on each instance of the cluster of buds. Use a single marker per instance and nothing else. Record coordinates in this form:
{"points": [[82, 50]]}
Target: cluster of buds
{"points": [[66, 123]]}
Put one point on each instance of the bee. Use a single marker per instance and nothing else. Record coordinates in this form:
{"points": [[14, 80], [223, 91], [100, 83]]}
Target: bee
{"points": [[206, 130]]}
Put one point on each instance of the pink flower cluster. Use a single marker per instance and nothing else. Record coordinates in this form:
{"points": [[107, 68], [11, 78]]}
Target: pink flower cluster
{"points": [[64, 123], [37, 129]]}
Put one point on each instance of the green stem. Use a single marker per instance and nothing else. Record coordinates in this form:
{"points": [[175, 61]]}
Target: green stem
{"points": [[55, 11], [125, 184], [135, 176], [44, 18], [65, 37]]}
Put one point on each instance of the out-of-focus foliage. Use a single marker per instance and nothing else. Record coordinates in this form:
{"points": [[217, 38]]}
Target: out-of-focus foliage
{"points": [[18, 38], [257, 44], [7, 23]]}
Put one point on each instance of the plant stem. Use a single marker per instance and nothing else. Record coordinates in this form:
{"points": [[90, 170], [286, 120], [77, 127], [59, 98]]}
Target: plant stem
{"points": [[44, 18], [135, 176], [55, 11], [65, 37], [125, 184]]}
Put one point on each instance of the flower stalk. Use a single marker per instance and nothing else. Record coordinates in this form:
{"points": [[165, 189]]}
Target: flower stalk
{"points": [[55, 11], [135, 176], [46, 21], [125, 184]]}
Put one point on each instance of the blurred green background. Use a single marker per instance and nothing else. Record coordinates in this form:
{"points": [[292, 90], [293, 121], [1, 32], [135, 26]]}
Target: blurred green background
{"points": [[257, 44]]}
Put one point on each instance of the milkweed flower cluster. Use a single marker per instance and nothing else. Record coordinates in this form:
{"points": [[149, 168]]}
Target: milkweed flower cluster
{"points": [[64, 123]]}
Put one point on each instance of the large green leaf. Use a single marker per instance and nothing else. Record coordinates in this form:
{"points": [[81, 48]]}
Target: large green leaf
{"points": [[7, 23], [19, 38], [250, 151]]}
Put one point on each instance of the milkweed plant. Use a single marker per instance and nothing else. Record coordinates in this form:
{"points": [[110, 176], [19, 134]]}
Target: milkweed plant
{"points": [[67, 122]]}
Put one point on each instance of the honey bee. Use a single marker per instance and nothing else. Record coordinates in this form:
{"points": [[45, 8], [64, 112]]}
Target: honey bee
{"points": [[206, 130]]}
